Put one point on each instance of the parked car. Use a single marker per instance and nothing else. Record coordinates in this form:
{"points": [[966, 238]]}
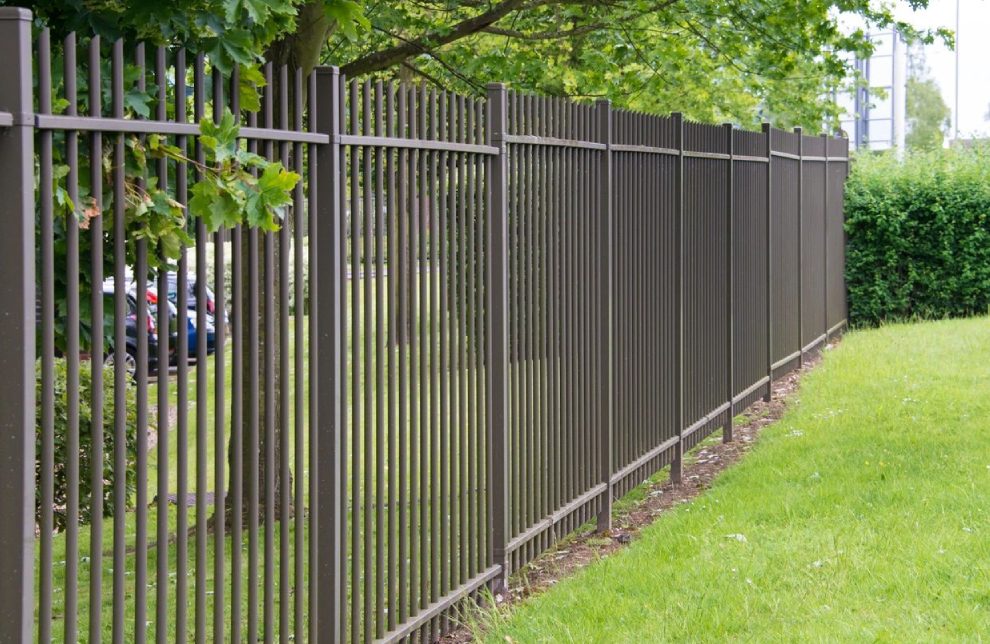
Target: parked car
{"points": [[191, 328], [191, 295], [128, 353]]}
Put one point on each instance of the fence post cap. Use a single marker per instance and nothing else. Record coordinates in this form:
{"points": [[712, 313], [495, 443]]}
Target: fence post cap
{"points": [[495, 86], [15, 13], [603, 101], [765, 126], [798, 130]]}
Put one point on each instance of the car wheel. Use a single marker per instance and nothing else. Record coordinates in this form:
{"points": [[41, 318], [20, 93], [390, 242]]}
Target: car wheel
{"points": [[130, 362]]}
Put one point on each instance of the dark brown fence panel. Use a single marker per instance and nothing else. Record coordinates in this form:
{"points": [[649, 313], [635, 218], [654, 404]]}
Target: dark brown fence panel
{"points": [[749, 267], [785, 276], [645, 211], [415, 222], [151, 468], [835, 235], [813, 186], [556, 386], [706, 316]]}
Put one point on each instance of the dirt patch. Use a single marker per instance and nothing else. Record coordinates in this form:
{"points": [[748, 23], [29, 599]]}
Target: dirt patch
{"points": [[704, 463]]}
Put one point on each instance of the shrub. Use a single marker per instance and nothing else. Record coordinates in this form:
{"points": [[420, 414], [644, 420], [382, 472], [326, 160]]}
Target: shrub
{"points": [[61, 425], [918, 236]]}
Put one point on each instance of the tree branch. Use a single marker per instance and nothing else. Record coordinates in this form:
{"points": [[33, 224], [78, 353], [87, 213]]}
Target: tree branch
{"points": [[386, 58], [545, 35]]}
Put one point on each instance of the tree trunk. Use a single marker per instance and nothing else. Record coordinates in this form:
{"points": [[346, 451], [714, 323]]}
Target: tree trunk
{"points": [[300, 50]]}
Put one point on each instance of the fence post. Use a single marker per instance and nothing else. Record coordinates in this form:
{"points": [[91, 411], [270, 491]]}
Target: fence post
{"points": [[604, 108], [825, 138], [800, 263], [496, 400], [730, 288], [768, 133], [677, 464], [327, 256], [17, 328]]}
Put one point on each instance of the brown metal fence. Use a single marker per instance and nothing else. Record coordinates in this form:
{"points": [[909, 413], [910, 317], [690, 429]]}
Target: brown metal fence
{"points": [[478, 324]]}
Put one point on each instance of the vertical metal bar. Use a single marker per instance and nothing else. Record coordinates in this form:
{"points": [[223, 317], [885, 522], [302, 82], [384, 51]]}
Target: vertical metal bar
{"points": [[219, 389], [141, 531], [677, 465], [253, 421], [730, 286], [380, 383], [497, 305], [423, 314], [768, 135], [268, 375], [17, 325], [402, 337], [825, 244], [182, 375], [199, 105], [525, 358], [355, 352], [460, 335], [553, 312], [162, 536], [71, 606], [605, 285], [800, 241], [47, 322], [237, 394], [283, 379], [433, 299], [393, 365], [410, 243], [477, 525], [444, 394], [299, 365], [96, 350], [121, 379]]}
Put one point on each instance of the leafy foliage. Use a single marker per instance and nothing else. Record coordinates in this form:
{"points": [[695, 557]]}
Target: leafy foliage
{"points": [[927, 114], [918, 236], [775, 60], [111, 476]]}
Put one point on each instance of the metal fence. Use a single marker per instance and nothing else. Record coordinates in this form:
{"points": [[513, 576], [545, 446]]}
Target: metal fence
{"points": [[505, 314]]}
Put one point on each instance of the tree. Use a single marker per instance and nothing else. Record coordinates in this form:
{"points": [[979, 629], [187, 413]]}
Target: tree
{"points": [[928, 117]]}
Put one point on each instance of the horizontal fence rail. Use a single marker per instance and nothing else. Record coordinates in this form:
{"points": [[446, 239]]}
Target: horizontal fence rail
{"points": [[478, 322]]}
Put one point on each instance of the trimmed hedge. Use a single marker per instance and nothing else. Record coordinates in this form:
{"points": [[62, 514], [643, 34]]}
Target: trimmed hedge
{"points": [[918, 236]]}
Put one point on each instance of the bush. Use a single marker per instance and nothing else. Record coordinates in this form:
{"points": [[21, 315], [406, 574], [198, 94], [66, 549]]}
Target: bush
{"points": [[61, 418], [918, 236]]}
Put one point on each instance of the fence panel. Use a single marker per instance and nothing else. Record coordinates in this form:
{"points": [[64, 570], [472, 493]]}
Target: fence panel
{"points": [[749, 268], [150, 468], [785, 277], [415, 382], [518, 309], [835, 234], [813, 186], [645, 204], [555, 354], [706, 317]]}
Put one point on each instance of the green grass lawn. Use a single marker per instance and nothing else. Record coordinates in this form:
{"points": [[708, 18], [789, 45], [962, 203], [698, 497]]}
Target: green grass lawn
{"points": [[862, 515]]}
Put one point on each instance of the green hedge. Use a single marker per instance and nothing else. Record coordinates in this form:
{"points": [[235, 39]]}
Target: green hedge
{"points": [[918, 236], [61, 435]]}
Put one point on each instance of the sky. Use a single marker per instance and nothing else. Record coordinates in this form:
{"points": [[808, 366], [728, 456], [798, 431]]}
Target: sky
{"points": [[974, 58]]}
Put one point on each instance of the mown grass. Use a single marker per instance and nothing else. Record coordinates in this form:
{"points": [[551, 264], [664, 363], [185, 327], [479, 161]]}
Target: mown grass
{"points": [[862, 515]]}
